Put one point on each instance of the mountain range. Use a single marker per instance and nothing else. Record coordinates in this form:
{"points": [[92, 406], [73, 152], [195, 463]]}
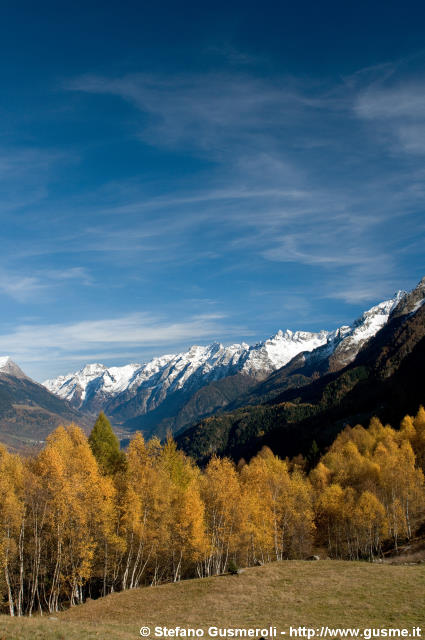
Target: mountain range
{"points": [[284, 391], [28, 411], [316, 394], [173, 391]]}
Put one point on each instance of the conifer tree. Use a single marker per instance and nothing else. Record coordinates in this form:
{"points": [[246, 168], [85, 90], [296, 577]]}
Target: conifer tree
{"points": [[313, 454], [419, 440], [105, 446]]}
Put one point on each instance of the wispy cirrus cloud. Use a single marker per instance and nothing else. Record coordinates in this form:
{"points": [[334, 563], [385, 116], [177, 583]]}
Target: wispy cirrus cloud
{"points": [[20, 288], [287, 184], [401, 101], [195, 165], [267, 200], [397, 107], [206, 111], [25, 175], [24, 288], [51, 347]]}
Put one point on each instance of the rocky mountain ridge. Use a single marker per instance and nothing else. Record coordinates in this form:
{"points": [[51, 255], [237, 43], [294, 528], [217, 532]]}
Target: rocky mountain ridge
{"points": [[313, 398], [176, 389], [28, 411]]}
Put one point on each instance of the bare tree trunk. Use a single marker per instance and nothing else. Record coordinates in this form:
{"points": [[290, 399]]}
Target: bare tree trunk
{"points": [[7, 578], [21, 568], [127, 564], [105, 569]]}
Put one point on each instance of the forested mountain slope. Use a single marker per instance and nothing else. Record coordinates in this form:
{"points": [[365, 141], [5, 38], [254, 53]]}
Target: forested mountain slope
{"points": [[311, 399], [175, 391]]}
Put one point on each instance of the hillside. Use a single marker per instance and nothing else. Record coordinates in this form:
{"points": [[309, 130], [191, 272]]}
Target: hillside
{"points": [[28, 411], [291, 593], [312, 397]]}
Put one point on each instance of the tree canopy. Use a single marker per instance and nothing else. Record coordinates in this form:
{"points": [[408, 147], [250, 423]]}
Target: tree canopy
{"points": [[105, 446]]}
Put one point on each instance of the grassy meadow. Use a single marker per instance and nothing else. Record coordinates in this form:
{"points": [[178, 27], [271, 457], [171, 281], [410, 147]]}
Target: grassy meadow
{"points": [[290, 593]]}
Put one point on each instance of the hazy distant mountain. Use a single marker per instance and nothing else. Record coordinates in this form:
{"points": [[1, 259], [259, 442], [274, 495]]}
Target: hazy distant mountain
{"points": [[28, 411], [176, 390], [9, 368]]}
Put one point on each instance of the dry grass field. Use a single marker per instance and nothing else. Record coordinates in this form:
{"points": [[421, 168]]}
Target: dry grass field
{"points": [[292, 593]]}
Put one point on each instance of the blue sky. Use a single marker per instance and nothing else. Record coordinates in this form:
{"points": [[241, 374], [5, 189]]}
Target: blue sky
{"points": [[178, 173]]}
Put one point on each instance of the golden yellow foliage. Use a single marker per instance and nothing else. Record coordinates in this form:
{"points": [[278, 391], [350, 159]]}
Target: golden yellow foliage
{"points": [[67, 530]]}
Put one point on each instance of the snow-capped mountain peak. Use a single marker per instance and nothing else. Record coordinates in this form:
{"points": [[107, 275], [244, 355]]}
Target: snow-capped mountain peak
{"points": [[278, 350], [192, 369], [146, 386], [345, 343], [10, 368], [4, 360], [74, 386]]}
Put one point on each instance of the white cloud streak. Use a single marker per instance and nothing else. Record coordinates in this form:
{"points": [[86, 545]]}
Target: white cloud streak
{"points": [[24, 288], [50, 344], [399, 112], [206, 111], [263, 197]]}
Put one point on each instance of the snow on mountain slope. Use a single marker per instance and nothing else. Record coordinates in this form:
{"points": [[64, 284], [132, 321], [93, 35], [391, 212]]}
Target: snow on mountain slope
{"points": [[189, 370], [146, 386], [265, 357], [79, 384], [8, 367], [4, 360], [364, 328]]}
